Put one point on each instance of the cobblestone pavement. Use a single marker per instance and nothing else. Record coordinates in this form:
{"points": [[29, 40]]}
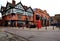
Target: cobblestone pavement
{"points": [[35, 34], [5, 36]]}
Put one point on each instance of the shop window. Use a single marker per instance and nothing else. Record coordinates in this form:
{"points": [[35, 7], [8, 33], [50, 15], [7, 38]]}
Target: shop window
{"points": [[37, 17]]}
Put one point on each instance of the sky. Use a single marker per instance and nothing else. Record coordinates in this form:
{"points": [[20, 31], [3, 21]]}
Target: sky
{"points": [[52, 6]]}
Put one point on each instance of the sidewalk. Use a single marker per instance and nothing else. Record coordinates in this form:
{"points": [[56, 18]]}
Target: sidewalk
{"points": [[43, 28], [49, 28]]}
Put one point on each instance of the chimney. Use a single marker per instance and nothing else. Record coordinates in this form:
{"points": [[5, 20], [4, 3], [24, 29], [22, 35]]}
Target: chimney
{"points": [[45, 11], [13, 2]]}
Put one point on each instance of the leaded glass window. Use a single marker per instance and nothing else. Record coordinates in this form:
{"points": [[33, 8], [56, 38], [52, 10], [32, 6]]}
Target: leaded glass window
{"points": [[29, 14], [9, 11], [19, 6], [29, 10], [18, 11]]}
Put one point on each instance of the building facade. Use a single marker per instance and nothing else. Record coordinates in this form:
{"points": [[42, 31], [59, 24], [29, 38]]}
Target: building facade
{"points": [[18, 14], [43, 16], [15, 14], [55, 20], [57, 17]]}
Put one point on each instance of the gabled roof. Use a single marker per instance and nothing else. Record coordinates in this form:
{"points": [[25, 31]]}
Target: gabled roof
{"points": [[29, 8], [25, 7], [2, 9], [11, 5], [20, 4], [36, 9]]}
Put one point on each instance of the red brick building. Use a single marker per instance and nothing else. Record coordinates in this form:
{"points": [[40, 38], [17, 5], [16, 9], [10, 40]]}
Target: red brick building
{"points": [[17, 14], [43, 15]]}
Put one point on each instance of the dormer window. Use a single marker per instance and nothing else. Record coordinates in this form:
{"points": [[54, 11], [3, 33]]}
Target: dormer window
{"points": [[29, 10], [19, 6], [18, 11]]}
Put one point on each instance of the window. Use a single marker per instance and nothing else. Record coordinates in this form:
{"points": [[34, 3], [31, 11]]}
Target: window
{"points": [[29, 10], [18, 11], [29, 14], [14, 10], [19, 16], [9, 11], [29, 18], [37, 17], [19, 6]]}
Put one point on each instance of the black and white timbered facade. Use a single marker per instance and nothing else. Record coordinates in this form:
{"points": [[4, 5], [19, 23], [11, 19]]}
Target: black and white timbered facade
{"points": [[16, 14]]}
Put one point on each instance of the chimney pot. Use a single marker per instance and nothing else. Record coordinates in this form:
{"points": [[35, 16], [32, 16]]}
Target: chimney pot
{"points": [[13, 2]]}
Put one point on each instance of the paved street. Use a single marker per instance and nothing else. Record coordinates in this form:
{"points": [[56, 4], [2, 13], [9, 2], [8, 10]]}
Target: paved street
{"points": [[35, 34], [4, 36]]}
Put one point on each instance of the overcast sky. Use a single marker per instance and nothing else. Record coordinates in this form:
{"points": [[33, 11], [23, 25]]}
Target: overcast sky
{"points": [[52, 6]]}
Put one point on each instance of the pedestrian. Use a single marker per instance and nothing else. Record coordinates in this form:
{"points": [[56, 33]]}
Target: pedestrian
{"points": [[27, 22], [39, 24]]}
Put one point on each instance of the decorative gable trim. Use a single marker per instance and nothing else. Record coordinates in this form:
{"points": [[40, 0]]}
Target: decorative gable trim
{"points": [[30, 10], [19, 6], [9, 5]]}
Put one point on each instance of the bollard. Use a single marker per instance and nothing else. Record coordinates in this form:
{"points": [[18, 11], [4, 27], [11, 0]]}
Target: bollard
{"points": [[53, 27], [59, 28], [46, 27]]}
